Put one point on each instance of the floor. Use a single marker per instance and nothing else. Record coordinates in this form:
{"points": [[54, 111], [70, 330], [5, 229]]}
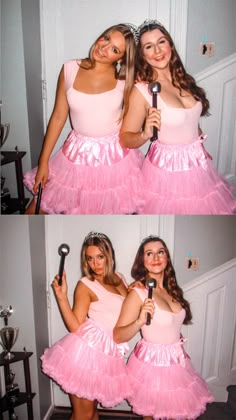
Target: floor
{"points": [[215, 411]]}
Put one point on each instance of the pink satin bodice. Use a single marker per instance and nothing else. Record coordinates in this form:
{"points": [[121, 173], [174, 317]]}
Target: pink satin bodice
{"points": [[105, 311], [165, 326], [93, 115], [178, 125]]}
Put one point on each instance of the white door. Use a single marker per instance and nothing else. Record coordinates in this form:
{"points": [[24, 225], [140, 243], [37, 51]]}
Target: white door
{"points": [[125, 232]]}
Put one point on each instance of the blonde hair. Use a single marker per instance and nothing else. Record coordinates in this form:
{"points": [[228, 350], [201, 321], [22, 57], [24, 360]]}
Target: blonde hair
{"points": [[127, 63], [101, 241]]}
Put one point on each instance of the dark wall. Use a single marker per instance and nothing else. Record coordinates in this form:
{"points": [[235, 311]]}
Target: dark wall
{"points": [[38, 263], [33, 73]]}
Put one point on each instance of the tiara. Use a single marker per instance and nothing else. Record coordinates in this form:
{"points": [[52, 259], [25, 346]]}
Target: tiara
{"points": [[134, 30], [93, 234], [148, 22]]}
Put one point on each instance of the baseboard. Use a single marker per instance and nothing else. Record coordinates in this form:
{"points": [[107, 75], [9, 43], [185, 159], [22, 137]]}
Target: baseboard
{"points": [[49, 413], [106, 414]]}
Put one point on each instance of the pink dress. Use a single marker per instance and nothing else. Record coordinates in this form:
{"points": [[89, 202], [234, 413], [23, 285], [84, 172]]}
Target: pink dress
{"points": [[179, 175], [88, 363], [164, 382], [92, 173]]}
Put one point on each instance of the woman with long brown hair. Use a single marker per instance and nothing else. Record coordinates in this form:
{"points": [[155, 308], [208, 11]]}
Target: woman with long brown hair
{"points": [[164, 383], [179, 177]]}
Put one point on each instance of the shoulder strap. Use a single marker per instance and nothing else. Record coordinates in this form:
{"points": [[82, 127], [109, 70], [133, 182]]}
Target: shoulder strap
{"points": [[142, 293], [70, 70], [143, 89]]}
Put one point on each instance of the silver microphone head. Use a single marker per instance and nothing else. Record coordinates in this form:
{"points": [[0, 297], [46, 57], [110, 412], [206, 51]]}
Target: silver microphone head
{"points": [[154, 87], [63, 249], [151, 283]]}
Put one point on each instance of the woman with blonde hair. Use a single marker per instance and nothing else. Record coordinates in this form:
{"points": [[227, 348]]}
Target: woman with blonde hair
{"points": [[87, 363], [91, 173]]}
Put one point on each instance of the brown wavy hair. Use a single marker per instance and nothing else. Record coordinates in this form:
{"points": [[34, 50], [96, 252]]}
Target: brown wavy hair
{"points": [[127, 64], [180, 78], [104, 244], [139, 272]]}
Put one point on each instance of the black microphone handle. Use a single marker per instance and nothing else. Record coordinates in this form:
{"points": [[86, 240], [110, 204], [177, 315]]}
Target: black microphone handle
{"points": [[61, 268], [37, 208], [154, 105], [148, 322]]}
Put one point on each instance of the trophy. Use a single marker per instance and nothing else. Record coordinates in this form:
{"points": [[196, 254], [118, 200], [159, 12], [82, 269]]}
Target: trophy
{"points": [[12, 389], [4, 131], [8, 336]]}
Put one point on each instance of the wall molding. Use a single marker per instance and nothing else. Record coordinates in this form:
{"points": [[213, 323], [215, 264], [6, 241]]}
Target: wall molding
{"points": [[210, 275], [179, 26], [219, 82], [217, 67], [211, 336]]}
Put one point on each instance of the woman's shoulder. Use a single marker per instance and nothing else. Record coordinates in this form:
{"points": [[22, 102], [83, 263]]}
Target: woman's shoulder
{"points": [[72, 63], [85, 280], [141, 292], [70, 70], [142, 87]]}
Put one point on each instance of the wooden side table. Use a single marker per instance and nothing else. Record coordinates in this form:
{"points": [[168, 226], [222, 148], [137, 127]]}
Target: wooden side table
{"points": [[19, 203], [23, 397]]}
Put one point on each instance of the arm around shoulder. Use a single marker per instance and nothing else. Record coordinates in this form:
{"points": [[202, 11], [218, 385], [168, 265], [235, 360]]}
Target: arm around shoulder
{"points": [[128, 323]]}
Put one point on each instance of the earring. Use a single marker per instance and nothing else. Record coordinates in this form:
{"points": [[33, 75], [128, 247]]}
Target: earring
{"points": [[118, 67]]}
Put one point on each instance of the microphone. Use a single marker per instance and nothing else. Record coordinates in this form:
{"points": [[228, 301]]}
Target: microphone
{"points": [[150, 284], [38, 199], [154, 89], [63, 251]]}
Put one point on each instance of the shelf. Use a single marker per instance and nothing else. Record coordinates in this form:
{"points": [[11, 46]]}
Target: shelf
{"points": [[13, 205], [21, 398], [18, 204], [10, 157], [18, 356]]}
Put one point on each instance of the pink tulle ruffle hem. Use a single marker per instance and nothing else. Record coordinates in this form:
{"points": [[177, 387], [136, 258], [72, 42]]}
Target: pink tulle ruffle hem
{"points": [[90, 365], [92, 176], [181, 179], [164, 383]]}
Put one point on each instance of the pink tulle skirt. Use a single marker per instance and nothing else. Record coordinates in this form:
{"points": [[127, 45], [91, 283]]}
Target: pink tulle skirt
{"points": [[181, 179], [92, 176], [164, 383], [89, 364]]}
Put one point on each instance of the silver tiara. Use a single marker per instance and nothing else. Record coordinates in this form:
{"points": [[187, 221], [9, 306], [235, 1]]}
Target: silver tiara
{"points": [[148, 22], [93, 234], [134, 30]]}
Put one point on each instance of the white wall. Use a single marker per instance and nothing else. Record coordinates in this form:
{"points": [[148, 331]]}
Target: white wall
{"points": [[17, 291], [212, 239], [13, 86], [214, 20]]}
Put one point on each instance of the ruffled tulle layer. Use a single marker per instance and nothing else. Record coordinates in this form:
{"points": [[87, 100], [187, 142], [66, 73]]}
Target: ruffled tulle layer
{"points": [[166, 386], [92, 176], [181, 179], [90, 365]]}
